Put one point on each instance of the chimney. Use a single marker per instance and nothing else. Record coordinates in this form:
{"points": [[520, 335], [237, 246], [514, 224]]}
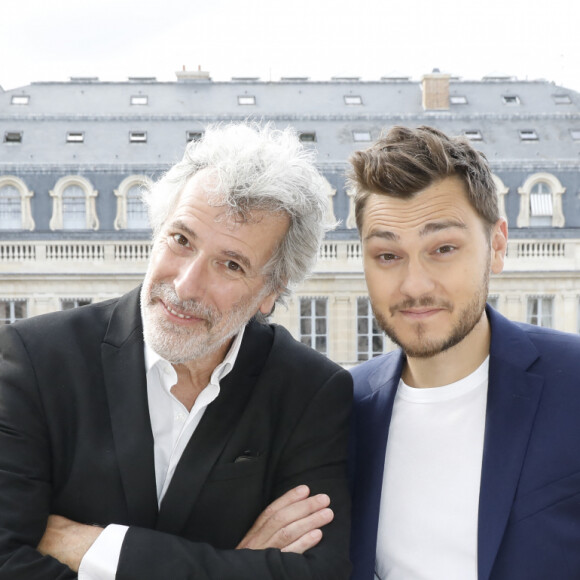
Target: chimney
{"points": [[192, 75], [436, 91]]}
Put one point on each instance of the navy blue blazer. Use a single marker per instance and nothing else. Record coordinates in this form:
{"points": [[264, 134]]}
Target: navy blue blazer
{"points": [[529, 503]]}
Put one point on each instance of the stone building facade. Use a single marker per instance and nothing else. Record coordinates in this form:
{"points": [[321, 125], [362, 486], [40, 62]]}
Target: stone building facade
{"points": [[74, 155]]}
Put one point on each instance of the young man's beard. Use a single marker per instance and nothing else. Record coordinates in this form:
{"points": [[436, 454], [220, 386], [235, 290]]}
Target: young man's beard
{"points": [[423, 347]]}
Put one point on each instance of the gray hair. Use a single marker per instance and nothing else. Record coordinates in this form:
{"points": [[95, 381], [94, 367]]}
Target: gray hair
{"points": [[255, 168]]}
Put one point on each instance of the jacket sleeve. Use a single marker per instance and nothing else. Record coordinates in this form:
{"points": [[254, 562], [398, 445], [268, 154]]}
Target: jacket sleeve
{"points": [[314, 454], [25, 468]]}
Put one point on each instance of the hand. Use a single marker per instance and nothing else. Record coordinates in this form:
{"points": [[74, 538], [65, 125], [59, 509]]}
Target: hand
{"points": [[291, 523], [67, 541]]}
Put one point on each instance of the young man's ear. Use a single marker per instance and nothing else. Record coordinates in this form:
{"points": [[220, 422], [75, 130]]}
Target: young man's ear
{"points": [[499, 237]]}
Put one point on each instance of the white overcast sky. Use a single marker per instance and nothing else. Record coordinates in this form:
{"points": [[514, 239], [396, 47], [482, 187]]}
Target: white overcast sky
{"points": [[52, 40]]}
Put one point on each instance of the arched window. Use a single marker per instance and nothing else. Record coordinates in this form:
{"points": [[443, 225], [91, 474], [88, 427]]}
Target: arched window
{"points": [[541, 202], [131, 211], [74, 205], [15, 204]]}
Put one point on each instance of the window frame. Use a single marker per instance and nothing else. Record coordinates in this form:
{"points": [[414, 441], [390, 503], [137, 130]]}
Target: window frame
{"points": [[75, 136], [528, 135], [353, 100], [9, 134], [357, 133], [373, 331], [303, 136], [541, 299], [246, 100], [139, 100], [122, 219], [12, 302], [91, 218], [137, 136], [310, 338], [20, 100], [477, 134], [26, 220]]}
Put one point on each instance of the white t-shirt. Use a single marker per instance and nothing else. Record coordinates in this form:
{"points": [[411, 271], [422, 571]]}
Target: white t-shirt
{"points": [[430, 495]]}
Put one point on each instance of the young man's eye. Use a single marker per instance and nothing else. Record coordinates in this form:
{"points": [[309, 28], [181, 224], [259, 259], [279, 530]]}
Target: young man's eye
{"points": [[445, 249], [387, 257]]}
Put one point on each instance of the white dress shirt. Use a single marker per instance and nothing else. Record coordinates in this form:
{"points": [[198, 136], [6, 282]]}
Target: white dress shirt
{"points": [[172, 426]]}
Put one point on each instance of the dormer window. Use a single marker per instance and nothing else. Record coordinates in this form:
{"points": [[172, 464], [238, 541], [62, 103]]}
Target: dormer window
{"points": [[308, 137], [353, 100], [139, 100], [562, 99], [13, 137], [20, 100], [528, 135], [575, 134], [75, 137], [511, 99], [246, 100], [458, 100], [473, 135], [361, 136], [138, 137], [193, 136]]}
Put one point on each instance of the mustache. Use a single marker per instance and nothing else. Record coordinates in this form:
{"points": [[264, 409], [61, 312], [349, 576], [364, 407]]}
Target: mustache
{"points": [[422, 302], [194, 308]]}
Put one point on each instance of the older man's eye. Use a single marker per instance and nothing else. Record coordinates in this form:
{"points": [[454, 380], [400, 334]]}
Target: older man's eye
{"points": [[180, 239], [233, 266]]}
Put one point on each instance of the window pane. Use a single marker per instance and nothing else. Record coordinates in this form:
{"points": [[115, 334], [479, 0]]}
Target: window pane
{"points": [[12, 310], [362, 324], [137, 218], [10, 208], [313, 323], [305, 307], [73, 208]]}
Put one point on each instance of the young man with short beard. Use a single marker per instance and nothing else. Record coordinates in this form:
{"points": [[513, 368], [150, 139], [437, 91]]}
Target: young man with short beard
{"points": [[466, 440], [173, 433]]}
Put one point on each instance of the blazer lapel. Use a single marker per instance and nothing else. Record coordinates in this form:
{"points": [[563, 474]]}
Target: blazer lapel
{"points": [[372, 421], [214, 430], [513, 398], [126, 386]]}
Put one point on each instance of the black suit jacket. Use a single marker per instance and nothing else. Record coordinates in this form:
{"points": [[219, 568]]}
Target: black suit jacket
{"points": [[75, 440]]}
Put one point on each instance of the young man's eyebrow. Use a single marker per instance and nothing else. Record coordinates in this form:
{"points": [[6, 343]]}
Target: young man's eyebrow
{"points": [[429, 228], [434, 227], [383, 234]]}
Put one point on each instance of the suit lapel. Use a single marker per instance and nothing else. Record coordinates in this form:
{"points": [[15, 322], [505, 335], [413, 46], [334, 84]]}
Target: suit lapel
{"points": [[126, 387], [513, 398], [372, 421], [214, 430]]}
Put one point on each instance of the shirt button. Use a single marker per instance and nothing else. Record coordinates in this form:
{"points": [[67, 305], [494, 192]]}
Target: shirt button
{"points": [[180, 417]]}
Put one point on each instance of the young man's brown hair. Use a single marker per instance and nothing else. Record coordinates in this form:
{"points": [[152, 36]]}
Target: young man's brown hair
{"points": [[406, 161]]}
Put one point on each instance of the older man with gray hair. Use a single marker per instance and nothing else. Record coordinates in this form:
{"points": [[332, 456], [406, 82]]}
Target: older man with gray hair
{"points": [[172, 432]]}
